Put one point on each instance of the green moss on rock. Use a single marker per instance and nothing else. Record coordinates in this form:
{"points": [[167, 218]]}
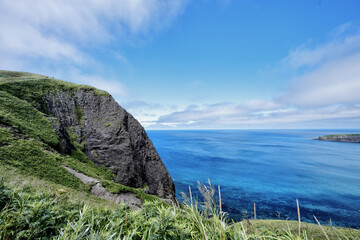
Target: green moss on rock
{"points": [[79, 113]]}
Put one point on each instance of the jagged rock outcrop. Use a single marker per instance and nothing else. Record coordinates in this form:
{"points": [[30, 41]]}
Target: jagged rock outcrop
{"points": [[111, 137]]}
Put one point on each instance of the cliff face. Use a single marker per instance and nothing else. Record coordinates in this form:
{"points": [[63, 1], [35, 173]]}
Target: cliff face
{"points": [[111, 137], [90, 124]]}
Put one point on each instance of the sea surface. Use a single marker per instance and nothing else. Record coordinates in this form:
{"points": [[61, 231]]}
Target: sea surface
{"points": [[271, 168]]}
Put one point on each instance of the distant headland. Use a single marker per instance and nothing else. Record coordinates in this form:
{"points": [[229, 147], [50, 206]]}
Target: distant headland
{"points": [[351, 138]]}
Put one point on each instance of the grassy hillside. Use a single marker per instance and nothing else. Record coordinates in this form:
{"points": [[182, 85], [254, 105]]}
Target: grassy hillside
{"points": [[39, 199], [31, 208], [28, 142]]}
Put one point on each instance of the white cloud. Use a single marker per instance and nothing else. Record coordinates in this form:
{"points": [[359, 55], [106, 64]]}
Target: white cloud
{"points": [[139, 104], [257, 104], [57, 38], [211, 116], [113, 87], [334, 82], [325, 94], [340, 46], [225, 113], [335, 74], [65, 30]]}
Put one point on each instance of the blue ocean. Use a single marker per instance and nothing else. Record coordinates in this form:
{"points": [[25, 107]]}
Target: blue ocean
{"points": [[271, 168]]}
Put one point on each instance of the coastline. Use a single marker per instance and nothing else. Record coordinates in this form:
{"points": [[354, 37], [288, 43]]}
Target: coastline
{"points": [[349, 138]]}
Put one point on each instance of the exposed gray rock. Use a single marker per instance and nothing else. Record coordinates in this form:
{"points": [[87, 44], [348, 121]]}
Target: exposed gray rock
{"points": [[113, 138], [82, 177], [128, 198], [98, 190]]}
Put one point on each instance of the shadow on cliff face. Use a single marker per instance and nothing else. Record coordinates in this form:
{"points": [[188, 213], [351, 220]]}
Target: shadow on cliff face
{"points": [[111, 137]]}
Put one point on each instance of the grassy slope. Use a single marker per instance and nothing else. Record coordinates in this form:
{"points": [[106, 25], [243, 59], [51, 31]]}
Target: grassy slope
{"points": [[261, 227], [32, 87], [35, 153], [24, 117], [32, 208]]}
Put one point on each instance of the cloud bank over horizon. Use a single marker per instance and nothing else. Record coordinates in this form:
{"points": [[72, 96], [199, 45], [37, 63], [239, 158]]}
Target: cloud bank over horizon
{"points": [[327, 91]]}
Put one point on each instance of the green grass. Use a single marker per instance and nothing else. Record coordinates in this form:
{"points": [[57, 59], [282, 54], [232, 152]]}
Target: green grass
{"points": [[33, 87], [118, 188], [109, 124], [5, 136], [23, 116], [346, 135], [31, 158], [33, 209], [79, 113], [39, 84], [89, 169], [16, 179], [262, 227], [34, 157]]}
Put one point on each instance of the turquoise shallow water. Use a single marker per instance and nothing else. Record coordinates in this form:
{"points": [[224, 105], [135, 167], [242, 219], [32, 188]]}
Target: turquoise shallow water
{"points": [[270, 167]]}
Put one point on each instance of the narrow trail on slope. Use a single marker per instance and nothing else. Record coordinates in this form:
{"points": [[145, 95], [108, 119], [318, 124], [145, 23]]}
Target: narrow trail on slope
{"points": [[98, 190]]}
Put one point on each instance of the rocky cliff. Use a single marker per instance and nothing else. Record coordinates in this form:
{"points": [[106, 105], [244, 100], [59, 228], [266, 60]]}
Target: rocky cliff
{"points": [[89, 121], [111, 137]]}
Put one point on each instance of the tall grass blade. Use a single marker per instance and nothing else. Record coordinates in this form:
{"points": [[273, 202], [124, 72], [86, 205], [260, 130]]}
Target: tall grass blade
{"points": [[255, 212], [203, 227], [190, 197], [220, 200], [321, 228], [298, 211]]}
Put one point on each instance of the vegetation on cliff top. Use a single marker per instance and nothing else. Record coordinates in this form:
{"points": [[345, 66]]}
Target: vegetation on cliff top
{"points": [[32, 87], [345, 135], [29, 86]]}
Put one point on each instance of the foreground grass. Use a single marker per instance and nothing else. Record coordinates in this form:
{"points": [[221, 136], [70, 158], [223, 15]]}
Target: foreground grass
{"points": [[35, 209], [308, 230]]}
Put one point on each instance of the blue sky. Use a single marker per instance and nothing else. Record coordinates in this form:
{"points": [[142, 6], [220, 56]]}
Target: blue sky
{"points": [[198, 64]]}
